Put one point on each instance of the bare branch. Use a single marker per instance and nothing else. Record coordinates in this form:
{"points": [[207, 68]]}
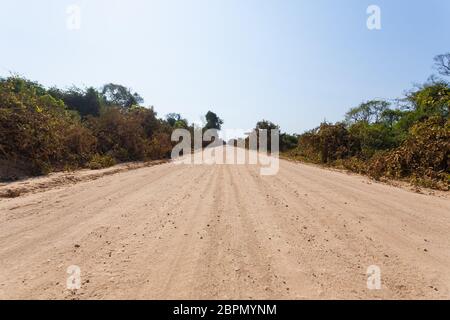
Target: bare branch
{"points": [[442, 64]]}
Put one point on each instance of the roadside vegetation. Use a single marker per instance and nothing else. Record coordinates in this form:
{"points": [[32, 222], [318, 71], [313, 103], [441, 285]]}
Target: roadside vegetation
{"points": [[50, 129], [44, 130], [405, 140]]}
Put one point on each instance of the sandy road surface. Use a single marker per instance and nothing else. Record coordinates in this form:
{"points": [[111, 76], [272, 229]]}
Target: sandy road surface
{"points": [[198, 231]]}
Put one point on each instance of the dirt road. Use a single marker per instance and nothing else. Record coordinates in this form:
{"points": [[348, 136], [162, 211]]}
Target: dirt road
{"points": [[209, 232]]}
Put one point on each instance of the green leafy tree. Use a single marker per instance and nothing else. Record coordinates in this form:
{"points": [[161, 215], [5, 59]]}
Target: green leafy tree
{"points": [[120, 96], [370, 111], [213, 121], [85, 102], [176, 121], [288, 142]]}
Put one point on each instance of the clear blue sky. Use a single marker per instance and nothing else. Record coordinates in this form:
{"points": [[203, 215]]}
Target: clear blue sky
{"points": [[293, 62]]}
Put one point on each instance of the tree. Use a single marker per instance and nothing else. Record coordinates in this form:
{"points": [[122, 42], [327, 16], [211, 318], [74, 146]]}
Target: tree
{"points": [[442, 64], [266, 125], [175, 120], [117, 95], [85, 102], [172, 118], [431, 99], [389, 116], [370, 112], [213, 121], [288, 142], [269, 126]]}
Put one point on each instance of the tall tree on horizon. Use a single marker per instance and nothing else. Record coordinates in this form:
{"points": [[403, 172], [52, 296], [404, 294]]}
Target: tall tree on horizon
{"points": [[118, 95], [213, 121]]}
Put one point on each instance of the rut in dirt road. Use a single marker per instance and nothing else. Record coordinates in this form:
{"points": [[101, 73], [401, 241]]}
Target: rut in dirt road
{"points": [[225, 232]]}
